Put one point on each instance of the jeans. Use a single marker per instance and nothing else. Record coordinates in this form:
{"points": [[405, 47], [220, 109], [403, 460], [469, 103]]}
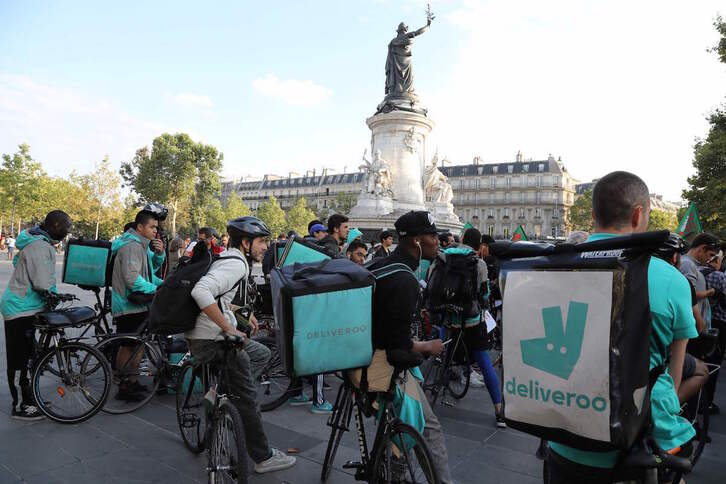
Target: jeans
{"points": [[433, 435], [558, 470], [244, 366], [490, 376]]}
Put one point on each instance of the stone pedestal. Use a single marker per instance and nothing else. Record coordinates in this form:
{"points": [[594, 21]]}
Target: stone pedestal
{"points": [[443, 213], [371, 206], [401, 138]]}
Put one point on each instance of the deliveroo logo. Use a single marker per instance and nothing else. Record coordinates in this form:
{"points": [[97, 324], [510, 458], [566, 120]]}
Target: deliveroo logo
{"points": [[558, 352]]}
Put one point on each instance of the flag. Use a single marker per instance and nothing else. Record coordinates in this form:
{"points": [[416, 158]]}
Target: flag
{"points": [[690, 223], [519, 234], [466, 227]]}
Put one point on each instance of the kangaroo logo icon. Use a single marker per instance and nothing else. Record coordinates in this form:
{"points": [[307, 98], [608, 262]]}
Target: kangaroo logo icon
{"points": [[558, 352]]}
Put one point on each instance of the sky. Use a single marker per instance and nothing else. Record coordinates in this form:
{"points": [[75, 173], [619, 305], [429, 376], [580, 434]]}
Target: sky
{"points": [[286, 86]]}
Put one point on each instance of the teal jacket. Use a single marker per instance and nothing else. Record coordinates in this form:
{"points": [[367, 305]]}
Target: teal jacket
{"points": [[133, 271], [34, 273]]}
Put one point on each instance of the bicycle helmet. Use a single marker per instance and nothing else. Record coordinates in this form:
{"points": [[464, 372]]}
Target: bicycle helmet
{"points": [[673, 245], [251, 227], [158, 210]]}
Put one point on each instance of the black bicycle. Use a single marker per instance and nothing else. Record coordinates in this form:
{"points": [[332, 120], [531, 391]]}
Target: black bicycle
{"points": [[70, 379], [448, 373], [399, 453], [208, 419]]}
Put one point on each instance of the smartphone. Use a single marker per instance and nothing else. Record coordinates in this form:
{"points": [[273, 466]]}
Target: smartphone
{"points": [[446, 342]]}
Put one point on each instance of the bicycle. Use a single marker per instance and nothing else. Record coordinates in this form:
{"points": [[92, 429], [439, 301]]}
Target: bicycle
{"points": [[398, 450], [208, 419], [139, 363], [70, 379], [448, 373]]}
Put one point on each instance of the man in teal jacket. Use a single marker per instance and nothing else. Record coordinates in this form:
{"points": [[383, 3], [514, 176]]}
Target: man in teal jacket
{"points": [[133, 285], [34, 275]]}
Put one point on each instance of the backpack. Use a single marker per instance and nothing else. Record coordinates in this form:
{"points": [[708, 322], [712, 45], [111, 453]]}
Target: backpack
{"points": [[452, 285], [173, 309], [576, 335]]}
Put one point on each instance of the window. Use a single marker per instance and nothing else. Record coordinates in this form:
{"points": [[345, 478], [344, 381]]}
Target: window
{"points": [[521, 197], [540, 167], [507, 196], [521, 213], [491, 197], [481, 170], [492, 182], [506, 232], [525, 167], [490, 213], [537, 212], [495, 169], [509, 182], [491, 231], [510, 168], [506, 213]]}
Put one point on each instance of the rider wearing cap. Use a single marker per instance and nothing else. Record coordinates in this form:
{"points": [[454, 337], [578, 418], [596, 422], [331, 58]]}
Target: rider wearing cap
{"points": [[396, 300], [159, 247], [248, 241]]}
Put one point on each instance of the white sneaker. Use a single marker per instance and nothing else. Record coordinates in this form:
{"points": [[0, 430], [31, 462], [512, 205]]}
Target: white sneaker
{"points": [[27, 413], [279, 461], [476, 381]]}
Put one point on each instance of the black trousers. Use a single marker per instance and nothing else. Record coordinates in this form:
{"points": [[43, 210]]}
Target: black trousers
{"points": [[19, 347]]}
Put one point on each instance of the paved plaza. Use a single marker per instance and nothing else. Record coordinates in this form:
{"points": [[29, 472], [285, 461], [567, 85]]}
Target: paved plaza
{"points": [[145, 446]]}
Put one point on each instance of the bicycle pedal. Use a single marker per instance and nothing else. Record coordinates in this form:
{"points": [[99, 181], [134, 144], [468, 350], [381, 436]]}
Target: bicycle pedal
{"points": [[446, 403], [353, 465]]}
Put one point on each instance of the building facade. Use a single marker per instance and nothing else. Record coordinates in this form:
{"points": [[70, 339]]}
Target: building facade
{"points": [[496, 198]]}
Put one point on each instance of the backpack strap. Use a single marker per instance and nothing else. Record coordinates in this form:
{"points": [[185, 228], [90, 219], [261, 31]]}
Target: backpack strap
{"points": [[390, 269], [216, 258]]}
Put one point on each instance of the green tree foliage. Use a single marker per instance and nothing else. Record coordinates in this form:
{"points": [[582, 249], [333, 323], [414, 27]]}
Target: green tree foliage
{"points": [[18, 176], [298, 217], [581, 212], [102, 187], [343, 203], [175, 171], [720, 48], [272, 214], [662, 220], [235, 207]]}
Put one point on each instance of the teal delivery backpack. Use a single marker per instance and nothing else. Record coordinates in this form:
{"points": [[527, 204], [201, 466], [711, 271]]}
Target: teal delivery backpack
{"points": [[324, 311], [86, 262], [300, 251]]}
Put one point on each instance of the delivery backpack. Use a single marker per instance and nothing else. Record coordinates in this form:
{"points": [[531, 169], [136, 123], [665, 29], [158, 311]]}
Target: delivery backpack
{"points": [[173, 309], [87, 262], [451, 287], [576, 340]]}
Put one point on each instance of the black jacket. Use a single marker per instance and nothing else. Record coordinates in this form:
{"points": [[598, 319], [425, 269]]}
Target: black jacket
{"points": [[396, 300], [330, 245]]}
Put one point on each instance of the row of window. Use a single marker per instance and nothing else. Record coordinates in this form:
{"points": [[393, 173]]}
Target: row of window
{"points": [[504, 213], [508, 182]]}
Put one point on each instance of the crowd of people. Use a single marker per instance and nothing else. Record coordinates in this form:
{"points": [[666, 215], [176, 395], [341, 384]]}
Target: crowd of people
{"points": [[686, 289]]}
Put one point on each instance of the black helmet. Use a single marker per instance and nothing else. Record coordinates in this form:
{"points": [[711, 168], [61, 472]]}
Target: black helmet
{"points": [[673, 245], [158, 210], [251, 227]]}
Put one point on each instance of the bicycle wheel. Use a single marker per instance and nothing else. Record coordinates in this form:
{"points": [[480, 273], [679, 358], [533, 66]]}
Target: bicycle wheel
{"points": [[339, 422], [273, 385], [432, 371], [402, 456], [458, 372], [71, 382], [190, 411], [227, 452], [137, 370]]}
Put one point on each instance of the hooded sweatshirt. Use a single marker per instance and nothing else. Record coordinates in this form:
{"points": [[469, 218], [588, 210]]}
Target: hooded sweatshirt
{"points": [[132, 272], [34, 273]]}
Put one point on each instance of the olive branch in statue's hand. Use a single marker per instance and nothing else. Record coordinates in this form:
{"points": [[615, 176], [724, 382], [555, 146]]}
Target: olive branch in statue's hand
{"points": [[429, 14]]}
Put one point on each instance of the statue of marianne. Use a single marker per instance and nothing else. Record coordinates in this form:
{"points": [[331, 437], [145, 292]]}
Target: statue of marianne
{"points": [[399, 74]]}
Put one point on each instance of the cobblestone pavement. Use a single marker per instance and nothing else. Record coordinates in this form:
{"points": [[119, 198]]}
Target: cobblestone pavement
{"points": [[145, 446]]}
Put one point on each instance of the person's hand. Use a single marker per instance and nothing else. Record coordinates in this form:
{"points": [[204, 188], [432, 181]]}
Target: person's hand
{"points": [[237, 333], [157, 246], [255, 325], [711, 292], [436, 346]]}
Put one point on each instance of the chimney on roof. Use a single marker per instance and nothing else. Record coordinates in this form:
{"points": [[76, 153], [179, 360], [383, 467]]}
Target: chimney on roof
{"points": [[477, 160], [520, 157], [550, 157]]}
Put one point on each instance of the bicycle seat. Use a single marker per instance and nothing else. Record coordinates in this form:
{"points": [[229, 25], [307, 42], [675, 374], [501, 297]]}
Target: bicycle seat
{"points": [[403, 360], [68, 317], [648, 455], [705, 344]]}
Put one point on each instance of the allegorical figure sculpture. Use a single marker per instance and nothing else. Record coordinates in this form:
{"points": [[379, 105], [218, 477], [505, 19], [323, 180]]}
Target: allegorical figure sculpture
{"points": [[399, 73], [437, 187], [378, 175]]}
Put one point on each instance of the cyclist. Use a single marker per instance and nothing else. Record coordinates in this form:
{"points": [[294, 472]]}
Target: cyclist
{"points": [[396, 300], [338, 228], [160, 245], [248, 241], [703, 248], [357, 251], [383, 250], [34, 273], [133, 285], [621, 205]]}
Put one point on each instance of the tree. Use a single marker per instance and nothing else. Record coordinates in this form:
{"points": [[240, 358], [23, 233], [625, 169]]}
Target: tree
{"points": [[298, 217], [272, 214], [214, 216], [662, 220], [235, 207], [581, 212], [17, 176], [103, 185], [176, 170], [343, 203]]}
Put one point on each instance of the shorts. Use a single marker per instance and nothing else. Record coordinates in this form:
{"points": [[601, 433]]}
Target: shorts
{"points": [[689, 367], [130, 323], [19, 342]]}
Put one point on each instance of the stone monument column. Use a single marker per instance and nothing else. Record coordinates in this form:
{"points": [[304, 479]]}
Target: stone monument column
{"points": [[401, 137]]}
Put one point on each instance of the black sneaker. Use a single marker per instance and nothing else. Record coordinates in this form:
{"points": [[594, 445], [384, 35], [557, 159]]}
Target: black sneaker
{"points": [[500, 420], [27, 413]]}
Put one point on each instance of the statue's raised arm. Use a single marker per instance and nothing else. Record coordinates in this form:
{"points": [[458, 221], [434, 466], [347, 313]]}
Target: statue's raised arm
{"points": [[429, 17]]}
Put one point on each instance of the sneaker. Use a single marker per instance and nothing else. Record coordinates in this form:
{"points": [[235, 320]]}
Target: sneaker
{"points": [[323, 408], [27, 413], [476, 380], [299, 400], [277, 462], [500, 420]]}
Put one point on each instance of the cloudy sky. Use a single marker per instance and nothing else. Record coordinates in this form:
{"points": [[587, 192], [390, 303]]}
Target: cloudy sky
{"points": [[286, 86]]}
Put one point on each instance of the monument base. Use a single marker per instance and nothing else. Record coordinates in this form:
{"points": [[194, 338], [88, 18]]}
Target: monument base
{"points": [[443, 213], [370, 205]]}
